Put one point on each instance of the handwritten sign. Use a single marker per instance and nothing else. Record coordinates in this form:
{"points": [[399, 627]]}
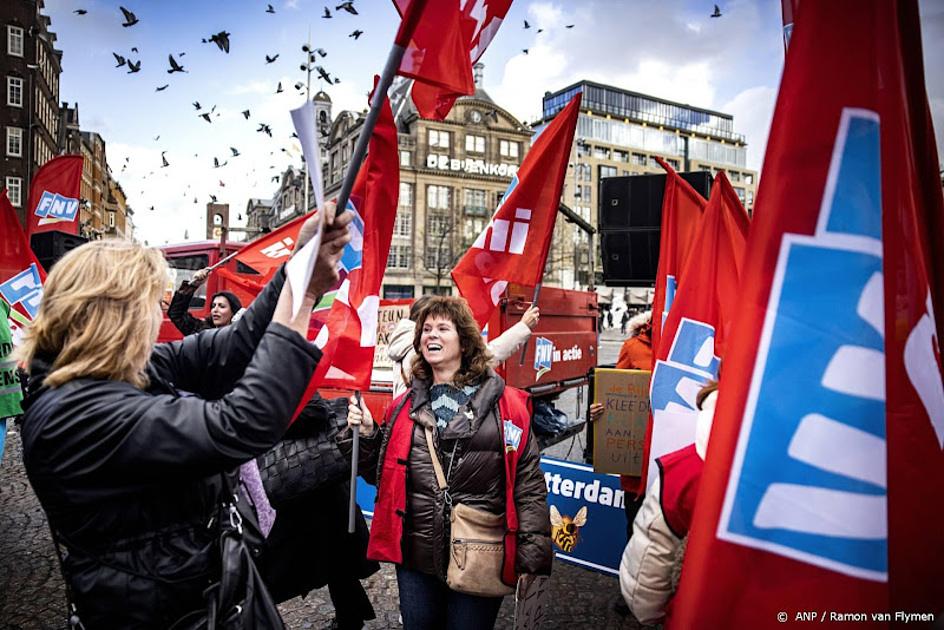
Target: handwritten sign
{"points": [[619, 435], [389, 313]]}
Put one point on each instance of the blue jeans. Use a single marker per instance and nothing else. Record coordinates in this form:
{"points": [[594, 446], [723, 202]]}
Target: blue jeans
{"points": [[426, 603]]}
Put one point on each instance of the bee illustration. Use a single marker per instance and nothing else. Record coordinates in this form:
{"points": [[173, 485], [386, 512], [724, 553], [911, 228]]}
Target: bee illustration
{"points": [[565, 531]]}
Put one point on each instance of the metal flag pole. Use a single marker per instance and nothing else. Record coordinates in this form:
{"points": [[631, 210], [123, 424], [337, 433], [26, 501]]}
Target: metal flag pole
{"points": [[307, 50], [355, 456]]}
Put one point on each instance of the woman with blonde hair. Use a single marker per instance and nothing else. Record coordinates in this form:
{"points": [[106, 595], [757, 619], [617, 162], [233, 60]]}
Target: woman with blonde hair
{"points": [[455, 446], [131, 446]]}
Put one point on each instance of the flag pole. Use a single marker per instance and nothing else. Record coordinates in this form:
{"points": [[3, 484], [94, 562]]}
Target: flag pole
{"points": [[394, 57], [534, 302], [355, 456]]}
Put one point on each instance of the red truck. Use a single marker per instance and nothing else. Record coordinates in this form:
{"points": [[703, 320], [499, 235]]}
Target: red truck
{"points": [[559, 355]]}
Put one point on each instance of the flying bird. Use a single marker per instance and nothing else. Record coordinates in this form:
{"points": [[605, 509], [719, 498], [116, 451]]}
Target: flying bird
{"points": [[356, 34], [235, 151], [271, 59], [540, 30], [163, 87], [130, 18], [222, 184], [221, 39], [327, 14], [246, 114], [119, 60], [213, 198], [164, 160], [717, 12], [80, 11], [324, 74], [174, 66], [134, 49], [336, 80], [264, 128], [134, 67], [524, 50], [526, 25], [278, 90], [569, 26], [196, 105], [346, 6], [269, 9], [206, 116], [216, 163]]}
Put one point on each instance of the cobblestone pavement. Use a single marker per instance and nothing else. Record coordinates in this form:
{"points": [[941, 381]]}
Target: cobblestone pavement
{"points": [[32, 596]]}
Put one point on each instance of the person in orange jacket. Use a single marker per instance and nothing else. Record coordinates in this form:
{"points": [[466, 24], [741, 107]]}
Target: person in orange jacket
{"points": [[636, 353]]}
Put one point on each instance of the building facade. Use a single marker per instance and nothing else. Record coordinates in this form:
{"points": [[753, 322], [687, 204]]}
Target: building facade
{"points": [[30, 67], [452, 175], [621, 133]]}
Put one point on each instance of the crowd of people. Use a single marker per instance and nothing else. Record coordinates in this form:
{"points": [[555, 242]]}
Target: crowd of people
{"points": [[165, 470]]}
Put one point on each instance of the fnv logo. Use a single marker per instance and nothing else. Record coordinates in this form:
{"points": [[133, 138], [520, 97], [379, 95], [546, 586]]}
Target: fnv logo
{"points": [[279, 249], [53, 208], [543, 357], [25, 289], [814, 429]]}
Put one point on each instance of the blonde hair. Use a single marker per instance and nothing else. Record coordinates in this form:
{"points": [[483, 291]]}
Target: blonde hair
{"points": [[97, 316]]}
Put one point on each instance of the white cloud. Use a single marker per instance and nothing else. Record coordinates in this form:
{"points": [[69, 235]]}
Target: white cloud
{"points": [[753, 109]]}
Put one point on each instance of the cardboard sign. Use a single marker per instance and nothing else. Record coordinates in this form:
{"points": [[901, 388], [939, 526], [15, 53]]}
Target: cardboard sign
{"points": [[389, 313], [618, 436]]}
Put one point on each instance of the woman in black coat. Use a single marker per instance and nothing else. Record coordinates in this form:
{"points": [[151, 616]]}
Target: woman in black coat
{"points": [[128, 468]]}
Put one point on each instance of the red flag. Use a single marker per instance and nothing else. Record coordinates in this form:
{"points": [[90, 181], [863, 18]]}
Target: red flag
{"points": [[267, 253], [54, 196], [514, 245], [696, 329], [682, 208], [479, 23], [349, 335], [21, 275], [823, 488], [438, 54]]}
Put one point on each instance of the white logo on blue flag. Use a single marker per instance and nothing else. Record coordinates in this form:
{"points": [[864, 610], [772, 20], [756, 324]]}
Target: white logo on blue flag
{"points": [[55, 207], [543, 356], [808, 479], [353, 255], [25, 289], [512, 436]]}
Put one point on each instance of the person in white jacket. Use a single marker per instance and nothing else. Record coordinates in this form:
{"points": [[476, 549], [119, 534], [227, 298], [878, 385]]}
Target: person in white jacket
{"points": [[400, 347], [650, 561]]}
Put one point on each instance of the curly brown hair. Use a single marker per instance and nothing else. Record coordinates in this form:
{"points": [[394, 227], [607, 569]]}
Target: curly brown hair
{"points": [[475, 354]]}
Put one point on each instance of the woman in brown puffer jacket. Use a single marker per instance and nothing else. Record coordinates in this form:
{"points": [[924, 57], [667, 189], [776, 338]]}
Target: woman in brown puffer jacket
{"points": [[457, 396]]}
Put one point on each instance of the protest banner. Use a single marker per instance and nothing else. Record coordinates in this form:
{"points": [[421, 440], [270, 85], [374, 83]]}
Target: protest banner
{"points": [[619, 436]]}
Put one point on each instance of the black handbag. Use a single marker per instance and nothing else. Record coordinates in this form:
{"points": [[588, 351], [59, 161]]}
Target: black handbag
{"points": [[308, 457], [240, 600]]}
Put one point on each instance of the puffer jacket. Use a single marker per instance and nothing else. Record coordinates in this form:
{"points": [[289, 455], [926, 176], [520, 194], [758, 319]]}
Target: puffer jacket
{"points": [[648, 569], [131, 478], [400, 350], [477, 479]]}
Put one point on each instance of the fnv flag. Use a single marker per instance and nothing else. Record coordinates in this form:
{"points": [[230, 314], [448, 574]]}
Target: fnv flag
{"points": [[695, 331], [682, 208], [21, 275], [349, 335], [268, 252], [54, 196], [438, 53], [478, 22], [823, 487], [514, 245]]}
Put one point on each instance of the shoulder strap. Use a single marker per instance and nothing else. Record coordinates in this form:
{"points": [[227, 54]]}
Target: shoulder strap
{"points": [[437, 466]]}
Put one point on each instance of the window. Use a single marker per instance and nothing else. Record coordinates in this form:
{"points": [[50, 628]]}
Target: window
{"points": [[473, 226], [748, 179], [674, 164], [735, 176], [740, 193], [653, 163], [437, 290], [601, 153], [399, 257], [437, 225], [406, 158], [639, 159], [183, 268], [438, 139], [14, 142], [15, 190], [508, 149], [475, 202], [398, 291], [750, 198], [15, 91], [14, 40], [583, 193], [607, 171], [403, 226], [475, 144], [111, 219], [439, 197], [620, 156], [584, 172], [406, 195]]}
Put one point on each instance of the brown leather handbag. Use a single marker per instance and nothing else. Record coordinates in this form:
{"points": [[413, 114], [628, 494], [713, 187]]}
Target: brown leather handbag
{"points": [[476, 544]]}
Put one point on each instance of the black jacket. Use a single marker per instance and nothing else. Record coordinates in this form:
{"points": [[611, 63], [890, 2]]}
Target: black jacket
{"points": [[179, 311], [130, 479], [477, 479]]}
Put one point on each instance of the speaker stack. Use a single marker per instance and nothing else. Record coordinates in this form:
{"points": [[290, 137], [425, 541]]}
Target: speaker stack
{"points": [[49, 247], [630, 220]]}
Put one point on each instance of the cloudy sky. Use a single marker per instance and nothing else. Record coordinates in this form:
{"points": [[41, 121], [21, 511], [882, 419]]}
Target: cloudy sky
{"points": [[669, 48]]}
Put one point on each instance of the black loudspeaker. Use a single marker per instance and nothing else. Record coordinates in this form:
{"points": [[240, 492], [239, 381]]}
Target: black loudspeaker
{"points": [[630, 220], [49, 247]]}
